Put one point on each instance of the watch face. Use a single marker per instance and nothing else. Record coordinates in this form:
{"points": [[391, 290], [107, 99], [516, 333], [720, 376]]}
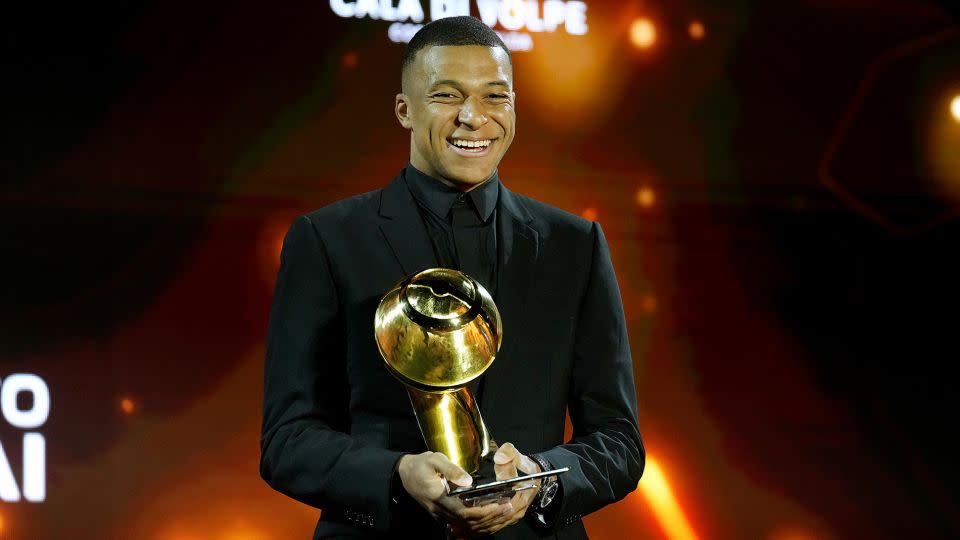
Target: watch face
{"points": [[548, 493]]}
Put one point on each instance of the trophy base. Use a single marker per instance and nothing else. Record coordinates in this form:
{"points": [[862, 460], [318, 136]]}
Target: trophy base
{"points": [[500, 491], [486, 489]]}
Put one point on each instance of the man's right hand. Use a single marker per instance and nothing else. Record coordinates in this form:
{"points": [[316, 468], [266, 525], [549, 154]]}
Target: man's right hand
{"points": [[425, 477]]}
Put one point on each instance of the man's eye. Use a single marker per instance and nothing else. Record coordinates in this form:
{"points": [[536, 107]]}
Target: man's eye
{"points": [[443, 95]]}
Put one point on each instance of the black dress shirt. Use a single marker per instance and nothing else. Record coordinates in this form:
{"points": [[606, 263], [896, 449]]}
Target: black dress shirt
{"points": [[462, 226]]}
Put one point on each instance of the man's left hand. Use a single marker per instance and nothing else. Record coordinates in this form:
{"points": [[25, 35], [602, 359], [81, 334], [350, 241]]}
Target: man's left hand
{"points": [[507, 462]]}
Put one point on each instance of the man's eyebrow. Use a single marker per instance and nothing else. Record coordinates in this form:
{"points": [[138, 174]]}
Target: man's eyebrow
{"points": [[445, 82], [451, 82]]}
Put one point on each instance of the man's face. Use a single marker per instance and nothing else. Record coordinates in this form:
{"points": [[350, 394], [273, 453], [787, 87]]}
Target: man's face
{"points": [[458, 103]]}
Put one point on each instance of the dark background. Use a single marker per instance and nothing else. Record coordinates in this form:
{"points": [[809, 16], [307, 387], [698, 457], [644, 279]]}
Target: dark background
{"points": [[779, 196]]}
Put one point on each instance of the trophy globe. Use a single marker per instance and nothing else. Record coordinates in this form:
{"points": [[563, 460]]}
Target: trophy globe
{"points": [[437, 331]]}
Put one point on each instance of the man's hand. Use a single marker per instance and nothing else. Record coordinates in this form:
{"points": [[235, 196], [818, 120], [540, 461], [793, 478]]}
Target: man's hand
{"points": [[507, 461], [425, 477]]}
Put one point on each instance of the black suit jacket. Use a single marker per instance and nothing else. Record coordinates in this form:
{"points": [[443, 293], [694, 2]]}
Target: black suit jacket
{"points": [[335, 421]]}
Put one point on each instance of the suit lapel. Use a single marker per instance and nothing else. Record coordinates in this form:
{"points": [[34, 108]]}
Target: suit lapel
{"points": [[518, 251], [403, 229]]}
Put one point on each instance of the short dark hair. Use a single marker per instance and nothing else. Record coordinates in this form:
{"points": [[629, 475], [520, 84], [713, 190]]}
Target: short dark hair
{"points": [[463, 30]]}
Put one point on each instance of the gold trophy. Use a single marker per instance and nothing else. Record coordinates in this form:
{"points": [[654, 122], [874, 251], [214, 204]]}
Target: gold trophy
{"points": [[437, 331]]}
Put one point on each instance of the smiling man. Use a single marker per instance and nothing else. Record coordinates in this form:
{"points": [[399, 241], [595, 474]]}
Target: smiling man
{"points": [[457, 102], [338, 429]]}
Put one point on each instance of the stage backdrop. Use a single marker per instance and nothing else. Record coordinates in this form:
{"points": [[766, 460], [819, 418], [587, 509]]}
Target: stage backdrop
{"points": [[778, 181]]}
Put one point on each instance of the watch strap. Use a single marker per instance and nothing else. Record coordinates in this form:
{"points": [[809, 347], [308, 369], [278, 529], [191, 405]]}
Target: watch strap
{"points": [[548, 486]]}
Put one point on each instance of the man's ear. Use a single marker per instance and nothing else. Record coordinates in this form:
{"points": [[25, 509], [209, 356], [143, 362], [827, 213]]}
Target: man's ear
{"points": [[402, 110]]}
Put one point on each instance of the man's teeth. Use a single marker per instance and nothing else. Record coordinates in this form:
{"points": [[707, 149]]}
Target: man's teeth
{"points": [[472, 144]]}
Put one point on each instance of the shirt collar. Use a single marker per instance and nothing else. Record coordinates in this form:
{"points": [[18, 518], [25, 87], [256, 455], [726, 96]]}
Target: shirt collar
{"points": [[438, 197]]}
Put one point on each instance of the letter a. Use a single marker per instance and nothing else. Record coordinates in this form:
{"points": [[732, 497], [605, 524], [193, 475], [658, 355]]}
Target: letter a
{"points": [[34, 467], [9, 492]]}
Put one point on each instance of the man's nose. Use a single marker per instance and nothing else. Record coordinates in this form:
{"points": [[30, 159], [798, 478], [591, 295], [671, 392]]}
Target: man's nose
{"points": [[471, 114]]}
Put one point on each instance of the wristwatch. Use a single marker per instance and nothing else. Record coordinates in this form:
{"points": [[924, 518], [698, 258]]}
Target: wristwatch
{"points": [[548, 486]]}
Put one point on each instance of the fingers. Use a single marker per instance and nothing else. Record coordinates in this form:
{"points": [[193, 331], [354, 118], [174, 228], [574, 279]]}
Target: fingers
{"points": [[498, 522], [498, 516], [450, 470], [504, 472], [505, 461], [522, 500], [420, 479], [519, 503], [508, 460], [484, 514], [448, 510], [425, 477], [495, 521], [505, 454], [489, 518], [453, 511], [486, 519], [528, 465], [509, 453], [512, 512]]}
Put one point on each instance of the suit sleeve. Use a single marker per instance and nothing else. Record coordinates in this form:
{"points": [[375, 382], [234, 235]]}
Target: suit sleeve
{"points": [[606, 454], [306, 450]]}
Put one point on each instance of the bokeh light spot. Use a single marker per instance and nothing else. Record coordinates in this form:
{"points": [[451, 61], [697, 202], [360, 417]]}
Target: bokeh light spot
{"points": [[643, 33], [127, 405], [350, 60], [646, 197], [590, 213], [697, 30], [942, 142]]}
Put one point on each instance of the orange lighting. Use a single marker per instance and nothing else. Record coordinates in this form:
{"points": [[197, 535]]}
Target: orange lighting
{"points": [[182, 536], [643, 33], [277, 250], [656, 490], [942, 142], [350, 60], [649, 303], [696, 29], [243, 532], [127, 405], [646, 197], [791, 534], [590, 213]]}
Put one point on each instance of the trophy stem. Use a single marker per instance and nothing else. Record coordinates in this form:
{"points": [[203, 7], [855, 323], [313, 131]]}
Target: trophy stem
{"points": [[450, 422]]}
